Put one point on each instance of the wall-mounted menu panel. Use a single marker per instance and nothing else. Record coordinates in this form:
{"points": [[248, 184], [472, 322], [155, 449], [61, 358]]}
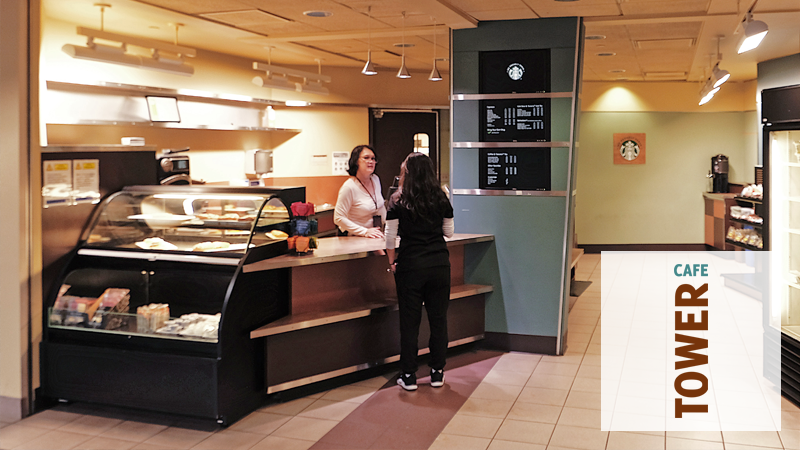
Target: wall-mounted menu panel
{"points": [[526, 120], [526, 169], [515, 71]]}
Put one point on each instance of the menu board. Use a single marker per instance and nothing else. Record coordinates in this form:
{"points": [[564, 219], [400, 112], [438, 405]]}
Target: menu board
{"points": [[514, 71], [515, 120], [525, 169]]}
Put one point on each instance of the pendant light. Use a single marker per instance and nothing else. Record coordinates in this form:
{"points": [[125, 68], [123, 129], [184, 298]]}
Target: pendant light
{"points": [[754, 32], [369, 68], [403, 72], [435, 75]]}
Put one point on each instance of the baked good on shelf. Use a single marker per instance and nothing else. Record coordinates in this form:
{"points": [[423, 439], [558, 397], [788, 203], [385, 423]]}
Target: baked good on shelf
{"points": [[209, 245], [156, 243]]}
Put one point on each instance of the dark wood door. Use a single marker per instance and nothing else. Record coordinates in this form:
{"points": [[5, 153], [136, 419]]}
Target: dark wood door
{"points": [[392, 135]]}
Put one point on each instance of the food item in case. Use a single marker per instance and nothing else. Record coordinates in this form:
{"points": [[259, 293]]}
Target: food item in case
{"points": [[277, 234], [229, 216], [208, 245], [151, 317], [156, 243], [192, 325]]}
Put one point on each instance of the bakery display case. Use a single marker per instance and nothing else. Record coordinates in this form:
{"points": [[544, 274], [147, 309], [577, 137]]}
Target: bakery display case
{"points": [[153, 310]]}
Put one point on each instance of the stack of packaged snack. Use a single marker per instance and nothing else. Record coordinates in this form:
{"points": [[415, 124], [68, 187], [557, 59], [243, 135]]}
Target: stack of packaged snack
{"points": [[150, 318], [112, 305], [192, 325], [745, 236]]}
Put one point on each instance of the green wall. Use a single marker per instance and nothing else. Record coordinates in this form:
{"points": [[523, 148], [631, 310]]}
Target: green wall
{"points": [[660, 202]]}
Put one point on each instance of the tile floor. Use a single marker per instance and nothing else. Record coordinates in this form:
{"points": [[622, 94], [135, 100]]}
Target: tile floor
{"points": [[525, 402]]}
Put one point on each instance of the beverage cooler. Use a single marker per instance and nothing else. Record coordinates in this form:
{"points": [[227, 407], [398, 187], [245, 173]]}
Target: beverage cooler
{"points": [[781, 144]]}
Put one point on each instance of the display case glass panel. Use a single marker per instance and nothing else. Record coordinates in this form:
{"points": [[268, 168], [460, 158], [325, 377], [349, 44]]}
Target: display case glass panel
{"points": [[196, 222]]}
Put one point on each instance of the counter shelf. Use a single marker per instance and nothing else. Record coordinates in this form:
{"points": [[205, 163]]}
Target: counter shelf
{"points": [[343, 314], [126, 367]]}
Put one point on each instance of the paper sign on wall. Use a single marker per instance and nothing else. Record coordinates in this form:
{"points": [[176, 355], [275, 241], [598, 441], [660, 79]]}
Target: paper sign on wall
{"points": [[86, 180], [57, 183]]}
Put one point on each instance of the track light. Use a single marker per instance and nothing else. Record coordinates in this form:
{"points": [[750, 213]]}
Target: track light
{"points": [[708, 92], [279, 78], [403, 72], [719, 76], [369, 68], [435, 75], [754, 32], [165, 57]]}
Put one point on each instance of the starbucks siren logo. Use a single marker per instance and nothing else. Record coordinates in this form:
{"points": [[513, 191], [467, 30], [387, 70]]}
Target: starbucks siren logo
{"points": [[515, 71], [629, 150]]}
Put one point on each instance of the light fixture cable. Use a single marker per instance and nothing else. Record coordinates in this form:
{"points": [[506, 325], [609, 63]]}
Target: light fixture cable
{"points": [[435, 75], [403, 72], [369, 68]]}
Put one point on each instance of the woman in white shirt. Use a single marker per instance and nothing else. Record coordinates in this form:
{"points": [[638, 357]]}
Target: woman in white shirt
{"points": [[360, 209]]}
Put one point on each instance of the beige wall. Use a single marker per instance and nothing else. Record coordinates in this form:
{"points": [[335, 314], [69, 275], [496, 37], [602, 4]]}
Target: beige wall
{"points": [[659, 202]]}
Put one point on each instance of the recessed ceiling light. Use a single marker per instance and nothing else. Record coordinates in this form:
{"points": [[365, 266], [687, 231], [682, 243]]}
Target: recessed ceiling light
{"points": [[594, 37], [318, 13], [406, 45], [605, 54], [617, 71]]}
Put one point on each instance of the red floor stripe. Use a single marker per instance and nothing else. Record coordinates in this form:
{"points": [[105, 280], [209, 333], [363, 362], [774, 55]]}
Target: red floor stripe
{"points": [[393, 418]]}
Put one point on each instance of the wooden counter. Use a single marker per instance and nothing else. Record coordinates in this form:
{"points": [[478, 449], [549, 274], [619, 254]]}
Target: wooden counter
{"points": [[343, 313]]}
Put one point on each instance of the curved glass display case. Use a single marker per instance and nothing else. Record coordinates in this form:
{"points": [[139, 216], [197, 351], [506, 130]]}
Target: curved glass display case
{"points": [[154, 294]]}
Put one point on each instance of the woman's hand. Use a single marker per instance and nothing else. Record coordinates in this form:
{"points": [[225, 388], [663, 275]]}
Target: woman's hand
{"points": [[374, 233]]}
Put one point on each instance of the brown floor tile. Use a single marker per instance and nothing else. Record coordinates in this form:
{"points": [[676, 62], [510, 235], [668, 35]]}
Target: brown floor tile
{"points": [[229, 440], [690, 444], [260, 423], [620, 440], [496, 391], [563, 359], [744, 447], [354, 394], [563, 369], [465, 425], [17, 434], [91, 425], [756, 438], [510, 445], [50, 419], [714, 436], [330, 410], [550, 381], [406, 438], [291, 408], [579, 438], [280, 443], [104, 443], [790, 439], [146, 446], [507, 377], [454, 442], [376, 382], [790, 420], [578, 417], [586, 384], [588, 371], [133, 431], [516, 365], [306, 428], [521, 431], [533, 412], [786, 405], [585, 400], [175, 437], [486, 408], [360, 434], [544, 396], [55, 439]]}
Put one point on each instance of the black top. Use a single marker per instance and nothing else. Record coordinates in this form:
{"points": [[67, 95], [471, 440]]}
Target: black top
{"points": [[422, 242]]}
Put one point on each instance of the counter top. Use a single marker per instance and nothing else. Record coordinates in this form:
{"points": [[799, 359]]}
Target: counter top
{"points": [[344, 248], [718, 195]]}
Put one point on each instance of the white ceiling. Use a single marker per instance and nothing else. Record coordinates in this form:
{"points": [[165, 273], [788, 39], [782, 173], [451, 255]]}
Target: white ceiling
{"points": [[651, 40]]}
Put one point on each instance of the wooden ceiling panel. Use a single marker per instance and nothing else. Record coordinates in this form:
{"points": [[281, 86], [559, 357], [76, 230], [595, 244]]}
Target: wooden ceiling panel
{"points": [[521, 13], [470, 6], [675, 30], [651, 7], [584, 8], [198, 6]]}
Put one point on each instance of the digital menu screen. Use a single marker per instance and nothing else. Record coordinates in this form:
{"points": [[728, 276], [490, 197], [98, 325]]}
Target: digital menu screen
{"points": [[525, 169], [515, 120], [514, 71]]}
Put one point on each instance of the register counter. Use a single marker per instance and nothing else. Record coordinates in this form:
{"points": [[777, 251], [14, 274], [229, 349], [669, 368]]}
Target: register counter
{"points": [[343, 313]]}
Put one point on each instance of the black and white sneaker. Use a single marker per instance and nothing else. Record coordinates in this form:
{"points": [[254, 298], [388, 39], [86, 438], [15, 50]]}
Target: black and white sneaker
{"points": [[408, 381], [437, 378]]}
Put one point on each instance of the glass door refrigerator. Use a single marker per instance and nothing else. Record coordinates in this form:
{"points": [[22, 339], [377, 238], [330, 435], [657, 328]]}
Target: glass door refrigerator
{"points": [[781, 143]]}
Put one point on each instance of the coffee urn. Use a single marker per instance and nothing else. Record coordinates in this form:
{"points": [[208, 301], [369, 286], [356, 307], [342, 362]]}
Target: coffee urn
{"points": [[719, 172]]}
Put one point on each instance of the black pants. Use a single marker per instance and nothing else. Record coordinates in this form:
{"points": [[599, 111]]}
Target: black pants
{"points": [[430, 286]]}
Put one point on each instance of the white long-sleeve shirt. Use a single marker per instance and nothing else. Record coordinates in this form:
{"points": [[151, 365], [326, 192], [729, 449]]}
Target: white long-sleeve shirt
{"points": [[355, 206]]}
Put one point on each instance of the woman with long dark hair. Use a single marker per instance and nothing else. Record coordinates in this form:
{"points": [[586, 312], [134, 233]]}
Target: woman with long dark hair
{"points": [[421, 215]]}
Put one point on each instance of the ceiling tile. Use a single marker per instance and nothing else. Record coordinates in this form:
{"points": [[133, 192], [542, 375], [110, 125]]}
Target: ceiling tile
{"points": [[198, 6], [650, 7]]}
